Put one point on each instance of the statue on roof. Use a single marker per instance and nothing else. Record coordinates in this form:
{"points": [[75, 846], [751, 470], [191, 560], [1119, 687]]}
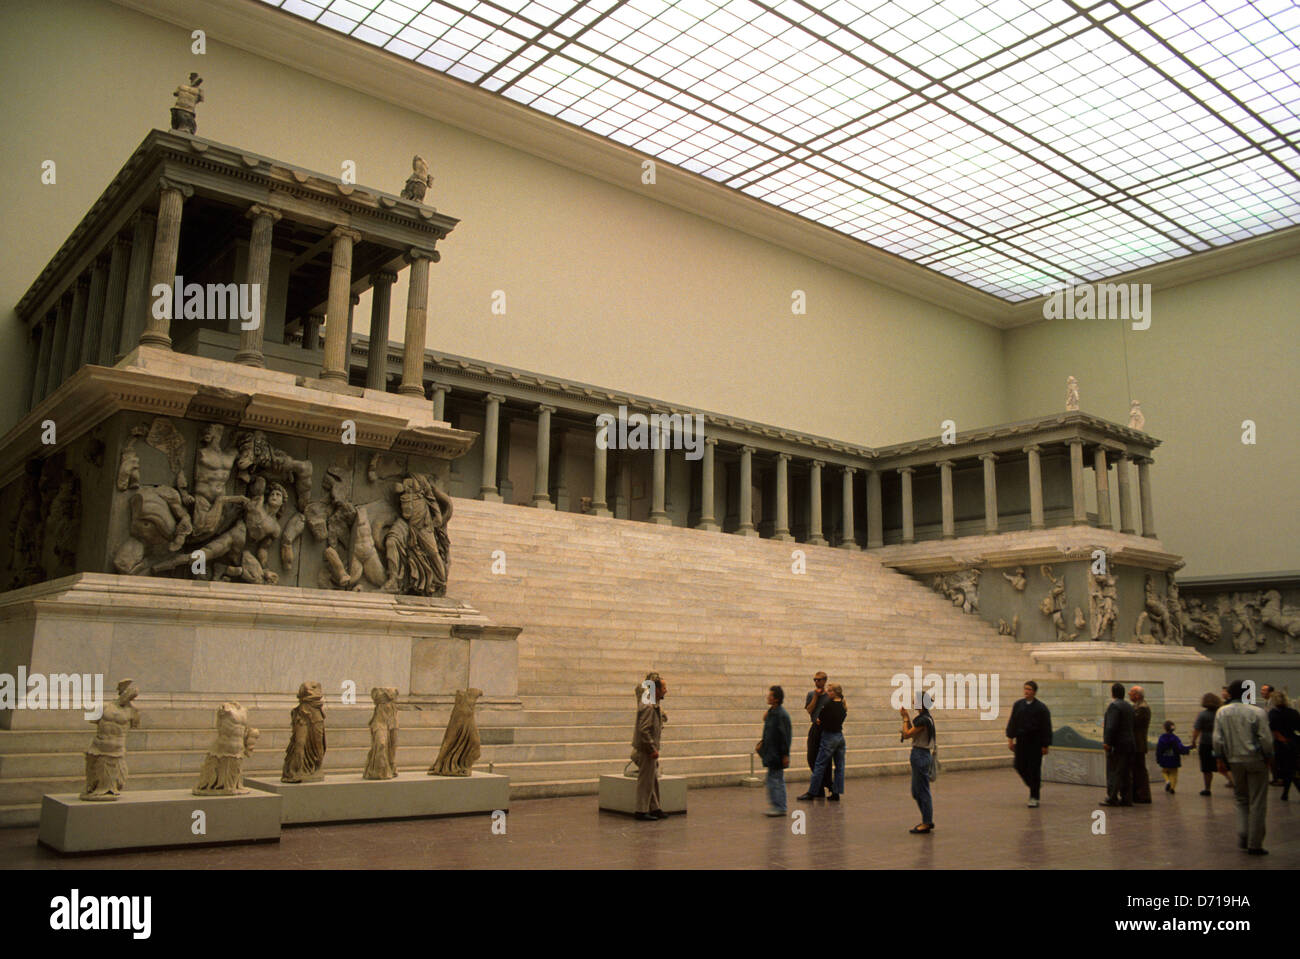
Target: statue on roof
{"points": [[418, 183], [188, 97], [1071, 395], [1136, 421]]}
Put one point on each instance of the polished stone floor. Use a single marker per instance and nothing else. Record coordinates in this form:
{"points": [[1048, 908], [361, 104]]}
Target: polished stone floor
{"points": [[981, 817]]}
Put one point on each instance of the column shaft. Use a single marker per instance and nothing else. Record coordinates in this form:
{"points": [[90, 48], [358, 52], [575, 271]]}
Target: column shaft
{"points": [[54, 369], [849, 539], [542, 478], [1144, 496], [166, 250], [945, 493], [1122, 477], [338, 305], [311, 325], [1102, 470], [909, 521], [138, 300], [491, 425], [815, 537], [1076, 482], [96, 298], [782, 530], [1035, 488], [707, 519], [746, 527], [114, 302], [417, 301], [381, 286], [875, 510], [45, 331], [77, 327], [990, 492], [600, 466], [658, 479], [440, 391], [258, 280]]}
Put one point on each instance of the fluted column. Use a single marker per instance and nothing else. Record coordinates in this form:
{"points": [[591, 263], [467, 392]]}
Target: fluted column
{"points": [[440, 391], [658, 478], [1125, 496], [137, 299], [1035, 486], [491, 424], [44, 330], [1144, 497], [257, 277], [815, 537], [875, 511], [76, 328], [909, 519], [600, 466], [849, 540], [707, 519], [945, 494], [166, 250], [1077, 498], [338, 305], [94, 328], [1103, 488], [54, 367], [746, 527], [311, 325], [990, 492], [782, 530], [114, 301], [542, 478], [381, 285], [417, 300]]}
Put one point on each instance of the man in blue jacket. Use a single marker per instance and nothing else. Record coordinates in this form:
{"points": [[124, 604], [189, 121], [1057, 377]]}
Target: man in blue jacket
{"points": [[774, 749]]}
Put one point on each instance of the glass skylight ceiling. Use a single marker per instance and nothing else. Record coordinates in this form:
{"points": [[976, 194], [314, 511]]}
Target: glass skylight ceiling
{"points": [[1014, 145]]}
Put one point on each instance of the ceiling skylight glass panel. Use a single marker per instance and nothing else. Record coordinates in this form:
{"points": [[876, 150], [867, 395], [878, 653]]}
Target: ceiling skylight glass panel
{"points": [[996, 141]]}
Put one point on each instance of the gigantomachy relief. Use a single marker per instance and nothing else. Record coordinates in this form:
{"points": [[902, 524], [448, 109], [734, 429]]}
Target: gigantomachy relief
{"points": [[244, 506]]}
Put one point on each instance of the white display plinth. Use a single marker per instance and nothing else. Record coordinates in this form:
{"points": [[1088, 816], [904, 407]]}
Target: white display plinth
{"points": [[618, 794], [158, 817], [346, 797]]}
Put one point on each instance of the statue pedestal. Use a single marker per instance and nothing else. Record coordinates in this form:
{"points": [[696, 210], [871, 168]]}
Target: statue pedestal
{"points": [[157, 818], [349, 798], [618, 794]]}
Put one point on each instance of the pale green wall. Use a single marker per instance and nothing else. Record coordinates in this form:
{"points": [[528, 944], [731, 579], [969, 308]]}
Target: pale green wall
{"points": [[603, 285], [1218, 352]]}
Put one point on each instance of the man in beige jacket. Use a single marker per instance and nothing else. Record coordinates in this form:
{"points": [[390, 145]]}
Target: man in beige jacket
{"points": [[650, 721]]}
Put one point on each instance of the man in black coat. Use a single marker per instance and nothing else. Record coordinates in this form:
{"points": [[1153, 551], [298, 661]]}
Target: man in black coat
{"points": [[1141, 730], [1029, 734], [1120, 746]]}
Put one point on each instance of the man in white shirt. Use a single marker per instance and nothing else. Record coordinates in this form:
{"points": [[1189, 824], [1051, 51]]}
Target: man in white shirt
{"points": [[1243, 743]]}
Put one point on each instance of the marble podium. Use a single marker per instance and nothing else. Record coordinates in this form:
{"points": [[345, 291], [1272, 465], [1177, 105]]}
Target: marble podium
{"points": [[618, 794], [155, 818], [349, 798]]}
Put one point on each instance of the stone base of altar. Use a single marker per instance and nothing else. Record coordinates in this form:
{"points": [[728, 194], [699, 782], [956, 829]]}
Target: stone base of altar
{"points": [[197, 644]]}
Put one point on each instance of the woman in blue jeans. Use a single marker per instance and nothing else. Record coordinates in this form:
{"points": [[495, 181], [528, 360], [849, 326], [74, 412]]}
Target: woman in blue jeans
{"points": [[921, 733], [831, 723]]}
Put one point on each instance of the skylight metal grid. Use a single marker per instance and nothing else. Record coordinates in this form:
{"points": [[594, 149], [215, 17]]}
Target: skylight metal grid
{"points": [[1013, 145]]}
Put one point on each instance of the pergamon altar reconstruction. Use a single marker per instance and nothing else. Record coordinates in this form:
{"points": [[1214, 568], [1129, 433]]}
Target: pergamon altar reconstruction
{"points": [[436, 371]]}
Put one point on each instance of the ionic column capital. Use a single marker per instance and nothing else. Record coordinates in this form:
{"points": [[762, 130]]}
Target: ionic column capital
{"points": [[258, 211], [710, 441], [945, 464], [783, 457], [345, 233], [167, 183], [383, 276], [491, 397], [989, 457], [818, 464], [906, 470], [543, 408], [850, 470], [416, 253], [747, 449], [1032, 448]]}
